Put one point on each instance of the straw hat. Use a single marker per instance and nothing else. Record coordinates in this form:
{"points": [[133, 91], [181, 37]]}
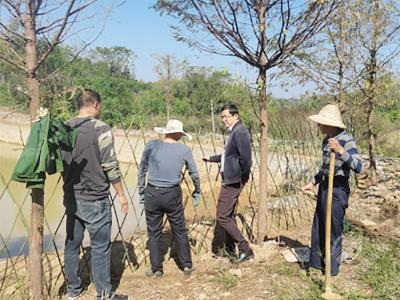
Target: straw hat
{"points": [[329, 115], [172, 127]]}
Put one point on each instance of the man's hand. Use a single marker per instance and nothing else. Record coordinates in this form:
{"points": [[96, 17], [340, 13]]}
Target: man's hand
{"points": [[335, 146], [141, 200], [124, 203], [121, 196], [196, 199], [308, 188]]}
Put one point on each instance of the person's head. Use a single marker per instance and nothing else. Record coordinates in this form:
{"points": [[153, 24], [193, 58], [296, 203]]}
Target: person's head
{"points": [[174, 136], [329, 120], [89, 102], [229, 115], [173, 130]]}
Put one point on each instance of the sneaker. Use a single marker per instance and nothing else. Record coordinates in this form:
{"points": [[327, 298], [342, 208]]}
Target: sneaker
{"points": [[119, 297], [188, 270], [150, 273], [76, 296], [113, 296]]}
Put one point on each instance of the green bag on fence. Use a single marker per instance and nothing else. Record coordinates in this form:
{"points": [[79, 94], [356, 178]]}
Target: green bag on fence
{"points": [[42, 152]]}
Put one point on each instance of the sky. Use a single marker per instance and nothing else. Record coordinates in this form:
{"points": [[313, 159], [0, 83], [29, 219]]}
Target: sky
{"points": [[136, 26]]}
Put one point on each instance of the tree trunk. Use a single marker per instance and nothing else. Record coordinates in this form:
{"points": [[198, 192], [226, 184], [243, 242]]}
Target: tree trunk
{"points": [[36, 244], [371, 149], [212, 117], [263, 184], [371, 133], [372, 70], [37, 211], [262, 88]]}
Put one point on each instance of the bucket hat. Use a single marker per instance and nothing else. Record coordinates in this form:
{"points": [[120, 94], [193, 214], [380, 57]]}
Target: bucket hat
{"points": [[329, 115], [172, 127]]}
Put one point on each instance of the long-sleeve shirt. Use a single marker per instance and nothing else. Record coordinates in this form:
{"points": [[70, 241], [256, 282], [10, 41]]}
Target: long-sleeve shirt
{"points": [[93, 164], [162, 164], [349, 160]]}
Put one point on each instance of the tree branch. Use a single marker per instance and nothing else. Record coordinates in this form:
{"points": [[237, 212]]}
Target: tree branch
{"points": [[56, 38], [14, 64]]}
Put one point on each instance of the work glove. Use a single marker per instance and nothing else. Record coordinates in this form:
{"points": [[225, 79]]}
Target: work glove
{"points": [[141, 200], [196, 199]]}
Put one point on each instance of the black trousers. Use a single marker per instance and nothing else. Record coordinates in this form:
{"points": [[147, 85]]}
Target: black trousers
{"points": [[339, 204], [159, 201]]}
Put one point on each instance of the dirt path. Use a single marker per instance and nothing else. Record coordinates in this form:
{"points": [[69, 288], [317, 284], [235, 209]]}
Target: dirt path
{"points": [[269, 276]]}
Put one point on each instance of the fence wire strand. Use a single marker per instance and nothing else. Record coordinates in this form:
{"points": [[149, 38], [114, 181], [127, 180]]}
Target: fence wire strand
{"points": [[293, 158]]}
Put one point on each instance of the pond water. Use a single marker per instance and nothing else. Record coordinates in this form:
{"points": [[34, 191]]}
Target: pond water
{"points": [[15, 205]]}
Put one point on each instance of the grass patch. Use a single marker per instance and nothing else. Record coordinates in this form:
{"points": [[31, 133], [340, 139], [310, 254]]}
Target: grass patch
{"points": [[226, 278], [289, 282], [380, 268]]}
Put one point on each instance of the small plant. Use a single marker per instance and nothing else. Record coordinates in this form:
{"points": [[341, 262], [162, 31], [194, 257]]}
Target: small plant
{"points": [[226, 278]]}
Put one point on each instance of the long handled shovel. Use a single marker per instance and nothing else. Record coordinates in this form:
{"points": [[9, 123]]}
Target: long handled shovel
{"points": [[329, 295]]}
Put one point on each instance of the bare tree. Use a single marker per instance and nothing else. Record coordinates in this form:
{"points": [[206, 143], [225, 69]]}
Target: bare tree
{"points": [[377, 45], [328, 59], [22, 25], [263, 34], [167, 69], [353, 55]]}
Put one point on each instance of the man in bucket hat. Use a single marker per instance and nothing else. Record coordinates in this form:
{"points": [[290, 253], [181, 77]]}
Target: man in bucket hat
{"points": [[342, 143], [162, 162]]}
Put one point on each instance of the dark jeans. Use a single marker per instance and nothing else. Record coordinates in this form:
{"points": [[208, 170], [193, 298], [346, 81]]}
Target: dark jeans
{"points": [[227, 201], [96, 217], [339, 204], [160, 201]]}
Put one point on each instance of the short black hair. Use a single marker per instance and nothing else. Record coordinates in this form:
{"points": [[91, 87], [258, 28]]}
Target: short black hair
{"points": [[87, 97], [233, 109]]}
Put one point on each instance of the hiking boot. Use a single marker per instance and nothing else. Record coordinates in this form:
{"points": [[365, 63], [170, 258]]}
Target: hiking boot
{"points": [[188, 270], [150, 273]]}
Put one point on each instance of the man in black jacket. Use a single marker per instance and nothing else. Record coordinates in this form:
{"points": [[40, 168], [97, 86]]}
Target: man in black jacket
{"points": [[235, 172]]}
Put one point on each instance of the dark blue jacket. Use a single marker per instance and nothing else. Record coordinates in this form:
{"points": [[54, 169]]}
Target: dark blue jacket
{"points": [[238, 161]]}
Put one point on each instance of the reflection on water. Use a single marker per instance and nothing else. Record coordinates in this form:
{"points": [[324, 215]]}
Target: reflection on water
{"points": [[18, 246], [15, 206]]}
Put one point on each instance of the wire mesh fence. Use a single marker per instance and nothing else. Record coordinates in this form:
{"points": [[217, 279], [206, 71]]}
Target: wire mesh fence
{"points": [[293, 158]]}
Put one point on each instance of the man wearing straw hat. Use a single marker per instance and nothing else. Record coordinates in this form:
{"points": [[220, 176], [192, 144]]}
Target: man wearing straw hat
{"points": [[330, 123], [235, 172], [162, 162]]}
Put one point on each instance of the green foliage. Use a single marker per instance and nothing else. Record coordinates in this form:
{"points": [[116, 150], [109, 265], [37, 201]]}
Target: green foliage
{"points": [[5, 96], [131, 103]]}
